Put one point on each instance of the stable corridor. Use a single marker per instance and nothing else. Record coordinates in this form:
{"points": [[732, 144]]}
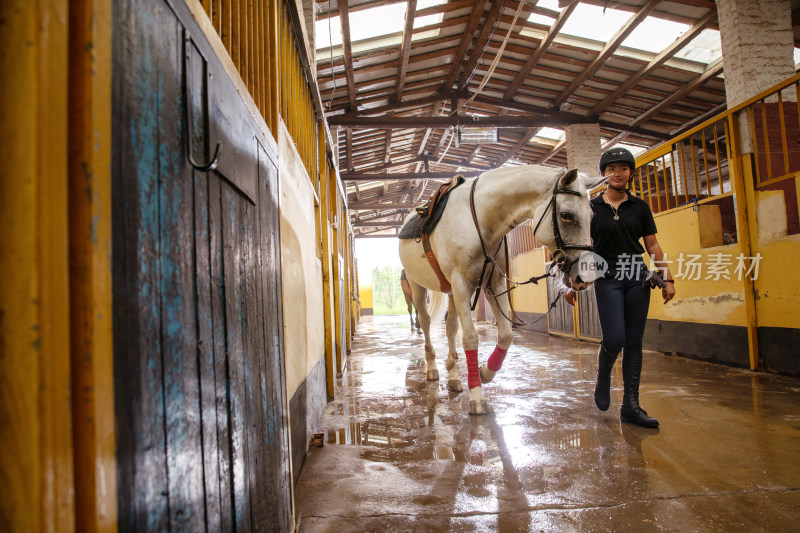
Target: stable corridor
{"points": [[402, 454]]}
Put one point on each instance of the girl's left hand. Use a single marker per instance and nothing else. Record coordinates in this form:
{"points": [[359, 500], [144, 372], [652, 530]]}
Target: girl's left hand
{"points": [[668, 292]]}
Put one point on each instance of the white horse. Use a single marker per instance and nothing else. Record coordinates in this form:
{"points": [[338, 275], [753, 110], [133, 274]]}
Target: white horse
{"points": [[503, 199]]}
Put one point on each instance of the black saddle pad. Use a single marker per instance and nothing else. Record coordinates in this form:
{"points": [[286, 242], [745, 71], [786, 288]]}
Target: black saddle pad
{"points": [[412, 229], [416, 225]]}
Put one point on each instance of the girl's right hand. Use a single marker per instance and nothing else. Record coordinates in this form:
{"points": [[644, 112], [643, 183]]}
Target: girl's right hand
{"points": [[569, 296]]}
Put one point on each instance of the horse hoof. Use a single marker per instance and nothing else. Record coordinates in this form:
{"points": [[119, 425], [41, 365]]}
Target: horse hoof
{"points": [[478, 408], [433, 375], [454, 385], [487, 375]]}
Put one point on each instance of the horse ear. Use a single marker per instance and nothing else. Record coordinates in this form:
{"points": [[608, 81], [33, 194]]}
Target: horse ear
{"points": [[590, 183], [568, 178]]}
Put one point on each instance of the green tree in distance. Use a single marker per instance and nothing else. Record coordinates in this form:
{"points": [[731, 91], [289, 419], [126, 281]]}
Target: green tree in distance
{"points": [[387, 295]]}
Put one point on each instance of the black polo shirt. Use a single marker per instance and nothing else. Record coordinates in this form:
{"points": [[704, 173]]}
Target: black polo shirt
{"points": [[613, 238]]}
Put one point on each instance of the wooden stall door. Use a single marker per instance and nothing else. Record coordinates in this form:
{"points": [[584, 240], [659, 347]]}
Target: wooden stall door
{"points": [[560, 320], [588, 322], [198, 346]]}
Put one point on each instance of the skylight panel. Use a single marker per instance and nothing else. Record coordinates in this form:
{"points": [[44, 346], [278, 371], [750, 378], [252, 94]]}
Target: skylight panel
{"points": [[371, 23], [705, 48], [551, 133], [594, 22], [587, 21], [420, 22], [655, 34]]}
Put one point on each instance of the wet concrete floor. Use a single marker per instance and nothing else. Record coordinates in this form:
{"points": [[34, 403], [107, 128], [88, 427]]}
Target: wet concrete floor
{"points": [[403, 454]]}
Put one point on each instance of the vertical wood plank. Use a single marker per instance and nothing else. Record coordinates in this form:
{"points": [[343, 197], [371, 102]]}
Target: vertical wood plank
{"points": [[254, 373], [234, 314], [236, 35], [90, 265], [274, 73], [205, 354], [225, 26], [177, 293], [221, 371], [35, 421], [275, 408], [137, 335]]}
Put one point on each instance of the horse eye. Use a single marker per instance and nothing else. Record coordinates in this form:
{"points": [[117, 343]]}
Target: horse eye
{"points": [[567, 217]]}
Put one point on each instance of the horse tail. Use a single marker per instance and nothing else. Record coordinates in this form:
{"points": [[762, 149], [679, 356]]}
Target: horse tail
{"points": [[437, 306]]}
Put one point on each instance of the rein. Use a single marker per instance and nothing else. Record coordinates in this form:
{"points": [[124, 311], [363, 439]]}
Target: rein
{"points": [[559, 256]]}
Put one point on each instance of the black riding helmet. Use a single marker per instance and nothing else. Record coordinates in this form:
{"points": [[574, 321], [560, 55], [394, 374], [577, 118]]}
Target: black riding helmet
{"points": [[617, 155]]}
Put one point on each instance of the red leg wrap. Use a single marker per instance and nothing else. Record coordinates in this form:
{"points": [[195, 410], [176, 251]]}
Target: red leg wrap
{"points": [[473, 378], [495, 361]]}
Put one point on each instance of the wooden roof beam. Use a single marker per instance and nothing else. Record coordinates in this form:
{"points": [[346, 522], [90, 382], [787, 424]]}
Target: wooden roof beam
{"points": [[606, 52], [657, 61], [405, 48], [711, 72], [514, 150], [456, 121], [364, 176], [344, 17], [380, 223], [557, 148], [461, 52], [480, 42], [349, 147], [533, 60]]}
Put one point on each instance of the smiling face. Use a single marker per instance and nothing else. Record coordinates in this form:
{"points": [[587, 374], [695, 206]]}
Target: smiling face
{"points": [[617, 175]]}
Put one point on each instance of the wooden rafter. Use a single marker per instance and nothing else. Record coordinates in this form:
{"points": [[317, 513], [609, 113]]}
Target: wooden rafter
{"points": [[534, 59], [480, 42], [364, 176], [405, 48], [344, 18], [380, 223], [466, 38], [514, 150], [711, 72], [387, 147], [607, 51], [557, 148], [656, 62], [349, 147], [374, 206]]}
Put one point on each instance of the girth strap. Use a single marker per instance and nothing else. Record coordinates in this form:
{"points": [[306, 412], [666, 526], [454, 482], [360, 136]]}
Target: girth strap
{"points": [[444, 285]]}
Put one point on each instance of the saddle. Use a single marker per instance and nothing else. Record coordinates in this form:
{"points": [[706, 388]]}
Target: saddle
{"points": [[422, 223], [429, 214]]}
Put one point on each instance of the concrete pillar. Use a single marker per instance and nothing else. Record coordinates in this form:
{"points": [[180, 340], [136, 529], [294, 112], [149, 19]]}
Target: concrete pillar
{"points": [[583, 147], [757, 46]]}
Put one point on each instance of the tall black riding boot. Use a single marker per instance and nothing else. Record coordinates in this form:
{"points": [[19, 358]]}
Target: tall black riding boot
{"points": [[631, 374], [602, 389]]}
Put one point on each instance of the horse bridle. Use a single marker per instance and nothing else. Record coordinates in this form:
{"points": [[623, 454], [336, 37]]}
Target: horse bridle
{"points": [[559, 255]]}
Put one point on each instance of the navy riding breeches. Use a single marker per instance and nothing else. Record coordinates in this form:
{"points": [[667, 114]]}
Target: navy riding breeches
{"points": [[622, 306]]}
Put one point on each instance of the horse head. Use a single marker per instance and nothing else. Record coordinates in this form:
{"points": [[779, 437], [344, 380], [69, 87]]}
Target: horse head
{"points": [[564, 222]]}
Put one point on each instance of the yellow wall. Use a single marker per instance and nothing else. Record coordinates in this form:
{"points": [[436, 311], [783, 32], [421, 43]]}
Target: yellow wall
{"points": [[530, 298], [714, 301], [723, 301], [301, 269], [778, 284], [365, 293]]}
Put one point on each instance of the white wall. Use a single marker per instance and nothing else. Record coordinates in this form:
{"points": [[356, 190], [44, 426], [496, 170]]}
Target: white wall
{"points": [[301, 270]]}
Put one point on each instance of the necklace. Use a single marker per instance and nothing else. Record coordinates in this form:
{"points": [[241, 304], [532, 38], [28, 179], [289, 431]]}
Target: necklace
{"points": [[616, 216]]}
